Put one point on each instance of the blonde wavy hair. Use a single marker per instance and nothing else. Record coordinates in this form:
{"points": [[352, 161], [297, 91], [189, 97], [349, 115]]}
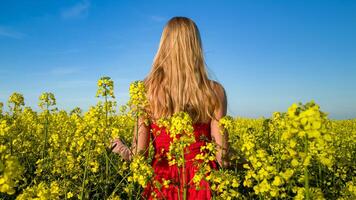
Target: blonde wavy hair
{"points": [[178, 80]]}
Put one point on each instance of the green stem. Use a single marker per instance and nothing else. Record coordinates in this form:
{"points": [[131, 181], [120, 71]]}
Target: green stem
{"points": [[13, 118], [133, 186], [46, 133], [131, 196], [184, 181], [306, 175], [106, 158], [112, 164], [137, 195], [279, 151], [123, 178], [136, 134], [179, 192], [85, 171], [11, 144], [319, 179], [222, 148], [65, 185], [179, 198]]}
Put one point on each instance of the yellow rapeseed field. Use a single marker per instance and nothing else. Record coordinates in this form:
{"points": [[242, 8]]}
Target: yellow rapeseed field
{"points": [[55, 154]]}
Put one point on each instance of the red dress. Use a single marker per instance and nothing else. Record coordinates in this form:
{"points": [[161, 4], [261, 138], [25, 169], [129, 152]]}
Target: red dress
{"points": [[161, 142]]}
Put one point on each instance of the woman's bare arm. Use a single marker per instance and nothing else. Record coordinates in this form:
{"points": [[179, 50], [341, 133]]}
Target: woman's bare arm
{"points": [[141, 138], [216, 131]]}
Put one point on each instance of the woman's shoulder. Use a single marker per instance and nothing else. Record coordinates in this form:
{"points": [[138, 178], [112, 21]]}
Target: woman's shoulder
{"points": [[218, 87], [222, 98]]}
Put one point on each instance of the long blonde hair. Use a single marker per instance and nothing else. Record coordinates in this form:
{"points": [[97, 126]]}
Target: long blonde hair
{"points": [[178, 80]]}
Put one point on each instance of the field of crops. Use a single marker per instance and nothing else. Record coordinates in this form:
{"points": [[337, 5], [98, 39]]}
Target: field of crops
{"points": [[54, 154]]}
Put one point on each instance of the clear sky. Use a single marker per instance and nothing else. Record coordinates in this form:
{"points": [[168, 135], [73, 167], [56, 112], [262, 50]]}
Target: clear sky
{"points": [[267, 54]]}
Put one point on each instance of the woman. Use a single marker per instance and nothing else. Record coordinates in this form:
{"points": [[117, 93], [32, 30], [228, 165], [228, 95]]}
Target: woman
{"points": [[178, 81]]}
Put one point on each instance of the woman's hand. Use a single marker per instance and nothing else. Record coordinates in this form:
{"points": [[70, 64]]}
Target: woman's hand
{"points": [[224, 161], [117, 146], [114, 144], [223, 164], [227, 163]]}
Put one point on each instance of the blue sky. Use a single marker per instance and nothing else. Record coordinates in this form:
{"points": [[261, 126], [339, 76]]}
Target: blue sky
{"points": [[267, 54]]}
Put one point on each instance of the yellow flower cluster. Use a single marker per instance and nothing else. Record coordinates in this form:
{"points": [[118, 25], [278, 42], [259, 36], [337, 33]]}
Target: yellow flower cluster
{"points": [[180, 129], [42, 191], [203, 159], [224, 184], [316, 193], [226, 122], [1, 108], [105, 87], [16, 101], [308, 128], [138, 99], [142, 171], [47, 99], [10, 171]]}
